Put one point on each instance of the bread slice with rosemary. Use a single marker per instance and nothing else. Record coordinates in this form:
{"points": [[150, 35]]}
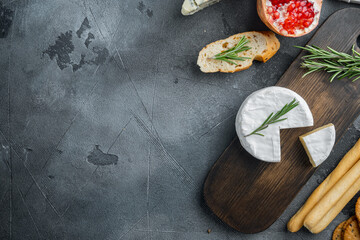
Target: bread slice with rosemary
{"points": [[237, 52]]}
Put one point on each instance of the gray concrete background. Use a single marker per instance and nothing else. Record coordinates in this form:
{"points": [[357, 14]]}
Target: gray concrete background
{"points": [[108, 128]]}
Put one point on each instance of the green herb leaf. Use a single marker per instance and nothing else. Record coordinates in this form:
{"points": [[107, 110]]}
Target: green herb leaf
{"points": [[274, 118], [232, 53], [339, 64]]}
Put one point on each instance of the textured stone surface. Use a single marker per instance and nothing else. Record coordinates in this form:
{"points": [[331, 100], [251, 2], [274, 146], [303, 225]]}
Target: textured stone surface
{"points": [[108, 128]]}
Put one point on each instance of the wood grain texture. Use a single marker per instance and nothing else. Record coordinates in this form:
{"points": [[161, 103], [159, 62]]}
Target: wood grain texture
{"points": [[248, 194]]}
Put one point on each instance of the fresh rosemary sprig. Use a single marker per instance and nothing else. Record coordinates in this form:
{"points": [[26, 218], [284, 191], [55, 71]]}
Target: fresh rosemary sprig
{"points": [[274, 118], [232, 52], [339, 64]]}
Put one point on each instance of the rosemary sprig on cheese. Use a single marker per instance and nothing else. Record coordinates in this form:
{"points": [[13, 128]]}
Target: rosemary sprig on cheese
{"points": [[339, 64], [232, 53], [274, 118]]}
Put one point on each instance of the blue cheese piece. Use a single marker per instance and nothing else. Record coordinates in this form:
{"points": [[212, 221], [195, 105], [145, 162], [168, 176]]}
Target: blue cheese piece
{"points": [[190, 7], [319, 143], [255, 110]]}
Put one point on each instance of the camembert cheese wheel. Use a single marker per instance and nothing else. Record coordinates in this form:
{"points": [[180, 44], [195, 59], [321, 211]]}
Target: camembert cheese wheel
{"points": [[256, 109], [319, 143]]}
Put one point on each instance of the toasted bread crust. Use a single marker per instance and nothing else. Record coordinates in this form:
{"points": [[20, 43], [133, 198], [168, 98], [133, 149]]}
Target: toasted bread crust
{"points": [[273, 46], [269, 46]]}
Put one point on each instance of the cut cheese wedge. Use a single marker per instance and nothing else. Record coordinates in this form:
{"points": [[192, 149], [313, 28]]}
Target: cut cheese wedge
{"points": [[190, 7], [319, 143], [255, 110]]}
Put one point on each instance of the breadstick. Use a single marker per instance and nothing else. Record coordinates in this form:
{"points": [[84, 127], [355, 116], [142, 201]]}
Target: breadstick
{"points": [[351, 157], [336, 209], [330, 200]]}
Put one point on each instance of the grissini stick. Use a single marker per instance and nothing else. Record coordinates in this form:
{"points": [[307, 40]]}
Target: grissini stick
{"points": [[346, 187], [336, 209], [349, 160]]}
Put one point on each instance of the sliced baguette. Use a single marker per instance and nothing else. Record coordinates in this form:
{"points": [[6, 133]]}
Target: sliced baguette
{"points": [[263, 46]]}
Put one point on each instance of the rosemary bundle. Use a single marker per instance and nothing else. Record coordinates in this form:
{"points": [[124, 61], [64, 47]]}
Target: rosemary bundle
{"points": [[339, 64], [232, 52], [274, 118]]}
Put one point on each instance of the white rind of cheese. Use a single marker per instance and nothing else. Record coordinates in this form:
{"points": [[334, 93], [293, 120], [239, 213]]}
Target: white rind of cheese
{"points": [[190, 7], [319, 144], [255, 110]]}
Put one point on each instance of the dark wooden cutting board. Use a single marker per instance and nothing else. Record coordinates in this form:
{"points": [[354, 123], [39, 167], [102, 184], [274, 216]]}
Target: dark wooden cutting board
{"points": [[249, 194]]}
